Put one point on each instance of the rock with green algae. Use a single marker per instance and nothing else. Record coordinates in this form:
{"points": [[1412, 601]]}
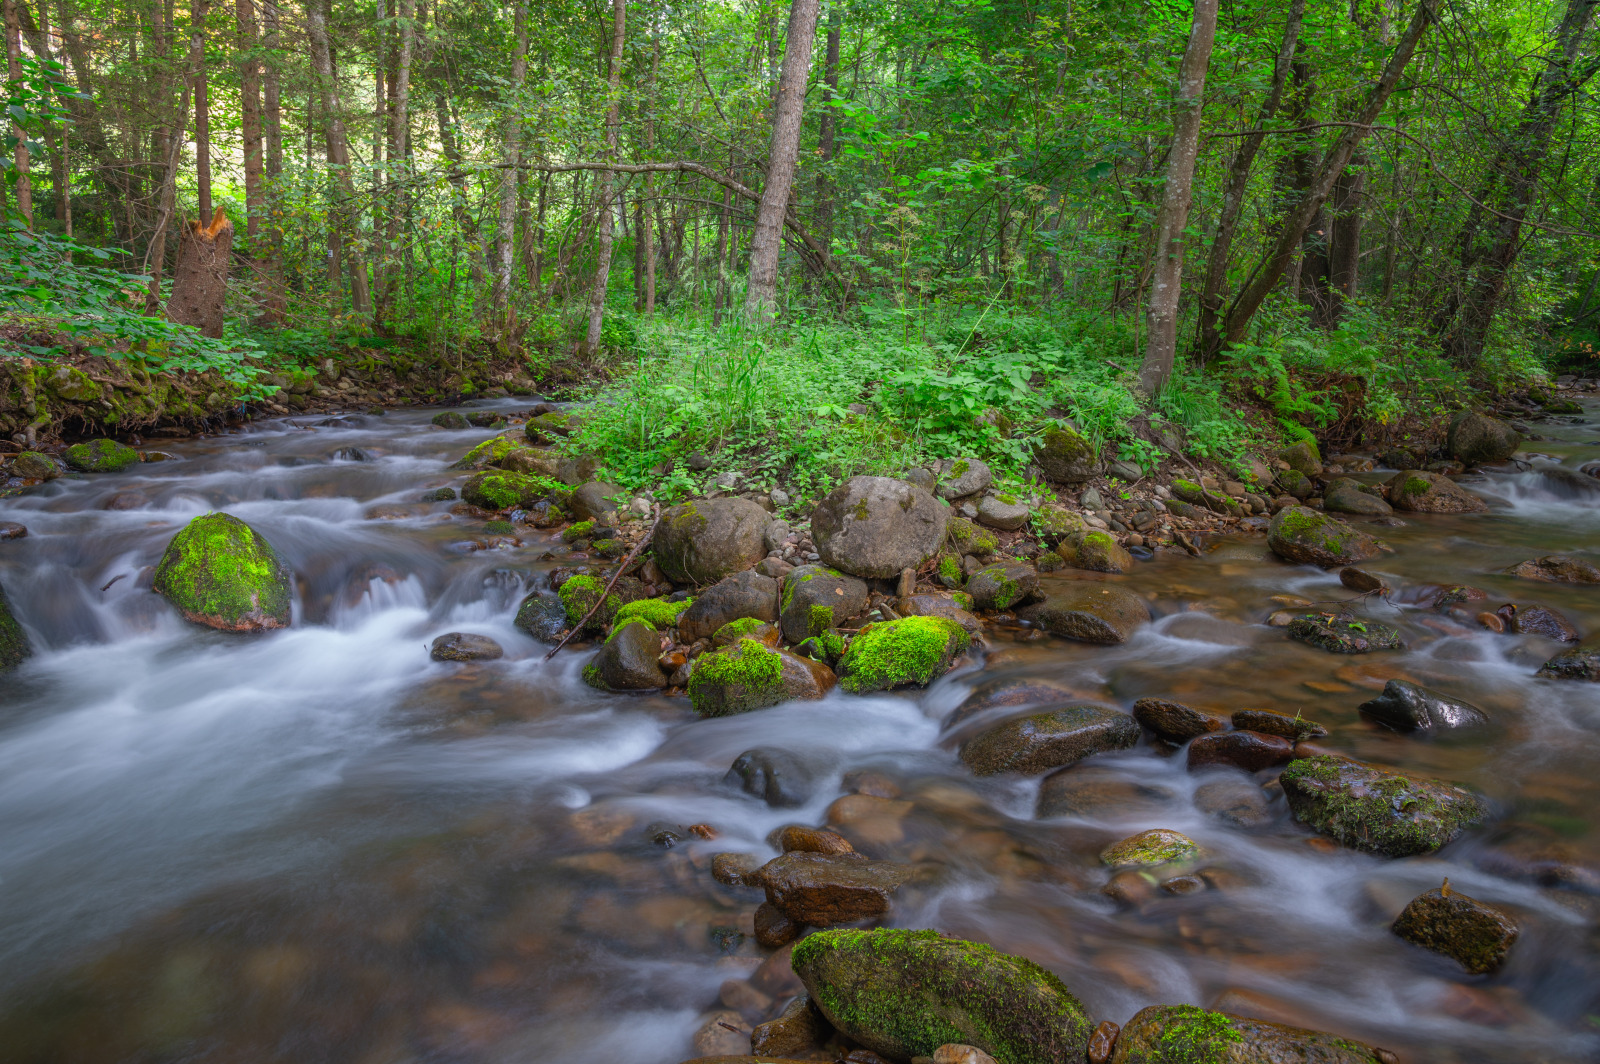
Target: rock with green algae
{"points": [[912, 651], [958, 607], [1475, 935], [1344, 635], [551, 426], [1158, 846], [36, 465], [14, 646], [542, 616], [746, 628], [660, 612], [1089, 612], [1379, 812], [576, 531], [1301, 534], [1302, 457], [1094, 551], [1185, 1034], [877, 527], [750, 675], [578, 596], [815, 598], [505, 452], [449, 419], [628, 660], [1001, 586], [1049, 738], [1417, 491], [1197, 495], [1575, 663], [1065, 456], [701, 542], [504, 490], [903, 994], [100, 456], [220, 572]]}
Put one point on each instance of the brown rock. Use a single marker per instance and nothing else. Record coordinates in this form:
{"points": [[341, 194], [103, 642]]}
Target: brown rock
{"points": [[1476, 935], [773, 929], [714, 1038], [1174, 721], [1541, 620], [1557, 568], [1090, 612], [824, 889], [939, 606], [1103, 1042], [799, 1029], [1152, 1035], [1251, 751], [734, 869], [1049, 739], [776, 975], [1009, 691], [797, 838], [1360, 580], [739, 995], [1082, 790], [1270, 723]]}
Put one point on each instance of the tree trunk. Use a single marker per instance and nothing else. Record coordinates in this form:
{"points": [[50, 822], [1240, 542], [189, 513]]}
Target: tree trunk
{"points": [[13, 28], [646, 227], [1344, 237], [1489, 244], [828, 133], [1333, 164], [275, 304], [602, 269], [172, 144], [200, 281], [250, 115], [338, 148], [1166, 286], [1233, 193], [399, 116], [501, 324], [783, 157], [202, 109]]}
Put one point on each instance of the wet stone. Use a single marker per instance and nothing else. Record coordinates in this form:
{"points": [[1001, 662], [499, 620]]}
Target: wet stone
{"points": [[1002, 586], [797, 838], [1557, 568], [1235, 801], [1251, 751], [1052, 738], [773, 928], [1359, 580], [1174, 721], [464, 646], [1476, 935], [1406, 707], [1344, 635], [800, 1028], [1158, 846], [12, 530], [1379, 812], [1008, 691], [1300, 534], [1542, 621], [1089, 612], [955, 1053], [825, 889], [1574, 663], [734, 869], [1270, 723], [775, 776], [1184, 1034], [1083, 791]]}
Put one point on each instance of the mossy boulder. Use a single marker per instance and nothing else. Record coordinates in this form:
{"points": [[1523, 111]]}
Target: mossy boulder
{"points": [[1185, 1034], [961, 477], [1344, 496], [816, 598], [1301, 534], [552, 426], [1055, 522], [1065, 456], [1302, 457], [903, 994], [1297, 484], [1475, 935], [1344, 635], [701, 542], [629, 659], [1002, 586], [73, 385], [100, 456], [504, 490], [1475, 438], [1148, 849], [36, 465], [742, 595], [750, 675], [1379, 812], [1197, 495], [1417, 491], [578, 596], [449, 419], [495, 451], [1094, 551], [660, 612], [1089, 612], [1574, 663], [14, 646], [877, 526], [220, 572], [955, 608], [762, 632], [909, 652], [1050, 738]]}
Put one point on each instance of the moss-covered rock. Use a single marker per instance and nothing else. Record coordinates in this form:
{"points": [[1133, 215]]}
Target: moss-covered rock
{"points": [[1473, 438], [597, 497], [1297, 484], [1197, 495], [579, 594], [1380, 812], [14, 646], [658, 611], [1089, 612], [1301, 534], [1344, 635], [504, 490], [1005, 512], [628, 660], [1476, 935], [1052, 738], [220, 572], [910, 652], [816, 598], [1302, 457], [1094, 551], [36, 465], [762, 632], [1065, 456], [1416, 491], [100, 456], [1002, 586], [495, 451], [1184, 1034], [576, 531], [701, 542], [73, 385], [957, 608], [1574, 663], [903, 994], [1158, 846], [1056, 522], [877, 526], [961, 477], [449, 419], [542, 616], [750, 675], [948, 571], [552, 426]]}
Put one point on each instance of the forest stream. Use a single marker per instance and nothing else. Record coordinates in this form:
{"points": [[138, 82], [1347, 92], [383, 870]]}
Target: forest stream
{"points": [[318, 844]]}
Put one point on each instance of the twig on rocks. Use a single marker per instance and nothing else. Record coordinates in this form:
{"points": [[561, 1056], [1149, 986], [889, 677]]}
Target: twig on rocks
{"points": [[632, 554]]}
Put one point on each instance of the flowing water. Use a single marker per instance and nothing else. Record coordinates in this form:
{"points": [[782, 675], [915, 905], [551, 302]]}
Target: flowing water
{"points": [[319, 845]]}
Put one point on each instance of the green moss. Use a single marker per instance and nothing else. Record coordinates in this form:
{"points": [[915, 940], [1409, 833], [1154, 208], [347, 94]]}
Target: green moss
{"points": [[100, 456], [1158, 846], [220, 571], [734, 631], [962, 599], [500, 490], [985, 543], [1376, 811], [959, 469], [912, 650], [492, 451], [621, 624], [13, 640], [581, 530], [580, 593], [591, 676], [499, 528], [658, 611], [1416, 486], [831, 644], [1191, 1035], [950, 569], [1098, 540], [819, 620], [1009, 500], [610, 548], [736, 679]]}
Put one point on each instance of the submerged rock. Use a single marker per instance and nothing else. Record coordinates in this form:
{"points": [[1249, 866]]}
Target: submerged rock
{"points": [[1184, 1034], [742, 595], [909, 652], [1174, 721], [1052, 738], [629, 659], [703, 541], [464, 646], [776, 776], [14, 646], [1001, 586], [100, 456], [815, 598], [220, 572], [1089, 612], [877, 526], [750, 675], [1557, 568], [1082, 790], [1415, 491], [1344, 635], [1301, 534], [1476, 935], [903, 994], [820, 889], [1380, 812], [1158, 846], [1406, 707], [1473, 438]]}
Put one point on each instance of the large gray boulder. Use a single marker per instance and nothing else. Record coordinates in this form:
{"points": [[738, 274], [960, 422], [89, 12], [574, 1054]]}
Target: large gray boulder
{"points": [[816, 598], [877, 526], [703, 541], [1065, 456], [746, 594], [1475, 438]]}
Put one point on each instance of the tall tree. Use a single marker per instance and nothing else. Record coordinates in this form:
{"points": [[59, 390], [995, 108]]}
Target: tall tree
{"points": [[1166, 284], [202, 104], [602, 269], [275, 304], [332, 107], [783, 157], [510, 160], [250, 128], [13, 31]]}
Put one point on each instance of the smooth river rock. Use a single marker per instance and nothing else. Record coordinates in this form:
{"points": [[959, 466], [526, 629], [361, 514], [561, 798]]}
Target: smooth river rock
{"points": [[464, 646], [1473, 438], [1415, 491], [877, 526], [820, 890], [1475, 935], [1051, 738], [733, 598], [1174, 721], [1301, 534], [1089, 612], [701, 542], [629, 660], [1405, 707]]}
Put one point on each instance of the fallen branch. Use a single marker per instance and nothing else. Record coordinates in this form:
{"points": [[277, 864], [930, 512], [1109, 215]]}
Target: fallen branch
{"points": [[632, 554]]}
